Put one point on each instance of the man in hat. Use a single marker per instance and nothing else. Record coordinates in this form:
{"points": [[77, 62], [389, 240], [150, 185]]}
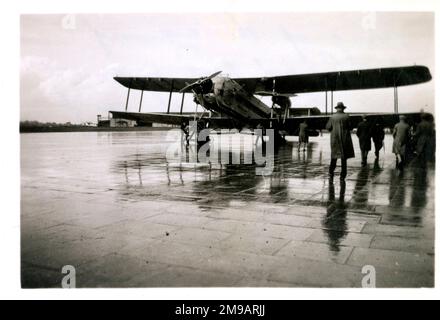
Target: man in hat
{"points": [[364, 134], [340, 140], [401, 138]]}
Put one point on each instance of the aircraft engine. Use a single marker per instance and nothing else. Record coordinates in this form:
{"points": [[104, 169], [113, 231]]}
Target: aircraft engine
{"points": [[204, 87]]}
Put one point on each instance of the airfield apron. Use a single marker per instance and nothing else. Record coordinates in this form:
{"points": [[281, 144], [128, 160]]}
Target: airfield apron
{"points": [[340, 136]]}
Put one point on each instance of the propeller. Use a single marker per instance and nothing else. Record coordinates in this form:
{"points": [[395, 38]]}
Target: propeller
{"points": [[199, 82]]}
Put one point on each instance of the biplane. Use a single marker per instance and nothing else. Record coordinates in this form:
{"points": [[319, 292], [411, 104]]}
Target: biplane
{"points": [[232, 103]]}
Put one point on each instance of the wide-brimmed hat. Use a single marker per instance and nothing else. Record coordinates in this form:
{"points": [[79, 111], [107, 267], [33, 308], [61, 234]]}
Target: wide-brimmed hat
{"points": [[340, 105]]}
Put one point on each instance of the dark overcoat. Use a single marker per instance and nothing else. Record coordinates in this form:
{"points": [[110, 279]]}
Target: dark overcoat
{"points": [[378, 133], [425, 136], [364, 134], [401, 137], [340, 136]]}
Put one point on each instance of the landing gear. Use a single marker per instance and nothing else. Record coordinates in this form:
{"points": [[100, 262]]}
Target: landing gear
{"points": [[184, 127], [190, 132]]}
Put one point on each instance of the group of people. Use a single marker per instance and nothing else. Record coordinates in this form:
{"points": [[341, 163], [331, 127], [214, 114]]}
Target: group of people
{"points": [[420, 142], [370, 131]]}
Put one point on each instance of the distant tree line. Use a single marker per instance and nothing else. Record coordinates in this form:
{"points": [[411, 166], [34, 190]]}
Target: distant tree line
{"points": [[37, 126], [33, 124]]}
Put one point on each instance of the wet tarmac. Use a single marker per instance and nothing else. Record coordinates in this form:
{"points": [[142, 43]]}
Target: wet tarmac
{"points": [[112, 206]]}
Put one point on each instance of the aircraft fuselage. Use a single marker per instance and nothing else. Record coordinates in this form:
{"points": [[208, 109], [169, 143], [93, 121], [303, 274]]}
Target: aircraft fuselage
{"points": [[228, 98]]}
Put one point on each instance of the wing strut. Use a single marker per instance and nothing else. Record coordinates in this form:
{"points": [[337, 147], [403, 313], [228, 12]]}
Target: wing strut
{"points": [[126, 102], [326, 97], [273, 102], [181, 104], [396, 101], [171, 94], [331, 102], [140, 102]]}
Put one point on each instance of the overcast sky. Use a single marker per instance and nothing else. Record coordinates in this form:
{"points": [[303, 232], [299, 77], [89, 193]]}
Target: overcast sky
{"points": [[68, 62]]}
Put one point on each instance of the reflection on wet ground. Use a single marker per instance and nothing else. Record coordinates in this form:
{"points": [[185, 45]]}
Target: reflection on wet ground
{"points": [[112, 205]]}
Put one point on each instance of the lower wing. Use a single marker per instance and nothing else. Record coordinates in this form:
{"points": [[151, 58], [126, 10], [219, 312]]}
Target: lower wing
{"points": [[174, 119], [387, 120], [165, 118], [291, 125]]}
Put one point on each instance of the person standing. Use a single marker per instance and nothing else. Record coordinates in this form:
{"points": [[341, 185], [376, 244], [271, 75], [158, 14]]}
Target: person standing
{"points": [[378, 135], [303, 135], [364, 134], [401, 137], [424, 136], [340, 140]]}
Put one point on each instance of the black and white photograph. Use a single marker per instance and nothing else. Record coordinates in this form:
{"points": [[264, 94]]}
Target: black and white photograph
{"points": [[227, 149]]}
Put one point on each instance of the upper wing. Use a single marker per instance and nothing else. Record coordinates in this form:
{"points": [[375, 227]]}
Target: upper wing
{"points": [[342, 80], [155, 84], [300, 83]]}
